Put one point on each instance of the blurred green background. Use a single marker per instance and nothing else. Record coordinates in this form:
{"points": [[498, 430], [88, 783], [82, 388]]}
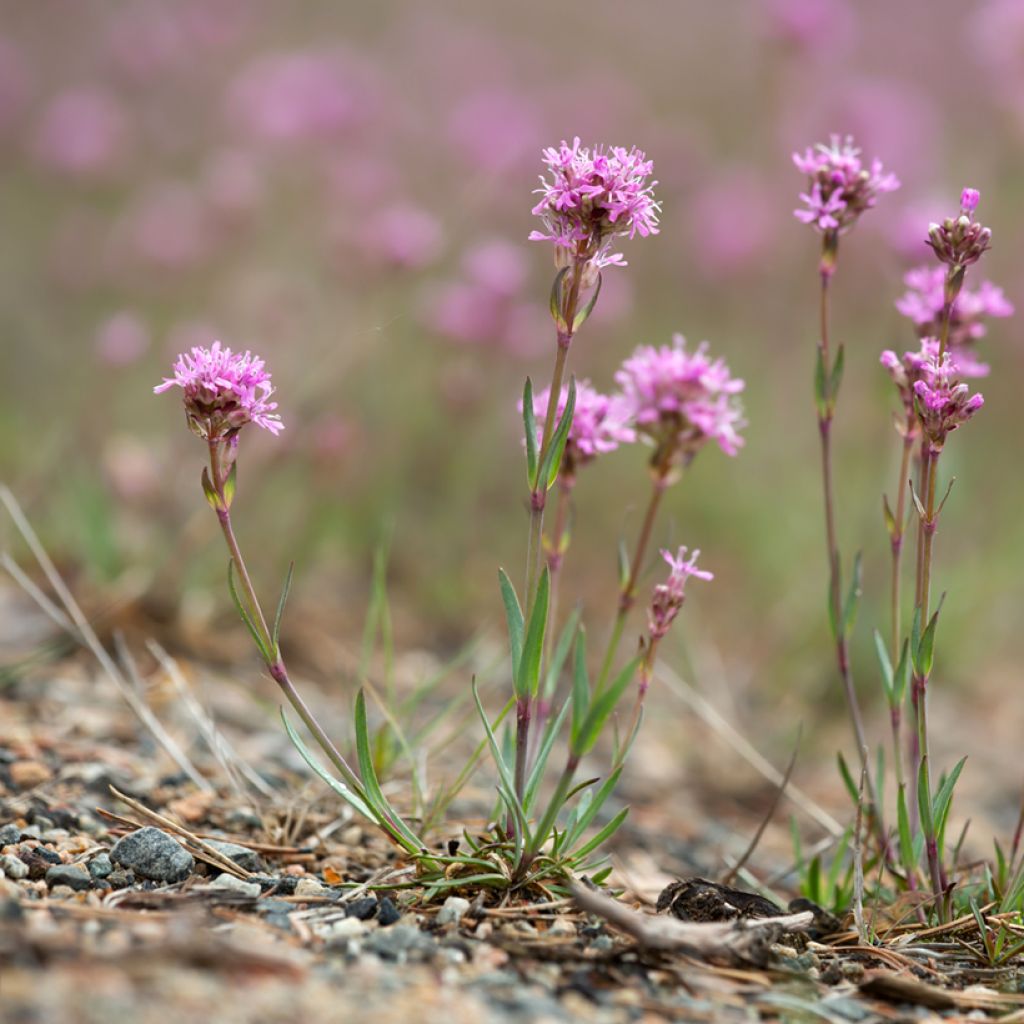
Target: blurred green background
{"points": [[346, 189]]}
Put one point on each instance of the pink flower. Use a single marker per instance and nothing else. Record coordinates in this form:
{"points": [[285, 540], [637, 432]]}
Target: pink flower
{"points": [[840, 187], [402, 235], [943, 402], [924, 301], [600, 423], [961, 241], [81, 132], [669, 596], [592, 198], [223, 392], [122, 339], [680, 399]]}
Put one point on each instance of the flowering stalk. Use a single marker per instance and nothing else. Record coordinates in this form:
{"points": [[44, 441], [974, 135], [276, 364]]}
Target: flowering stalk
{"points": [[841, 188]]}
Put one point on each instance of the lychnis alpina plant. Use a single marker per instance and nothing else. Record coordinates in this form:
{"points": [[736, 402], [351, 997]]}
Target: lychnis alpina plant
{"points": [[841, 187], [223, 393]]}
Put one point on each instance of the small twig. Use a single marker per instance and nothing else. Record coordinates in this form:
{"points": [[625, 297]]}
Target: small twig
{"points": [[210, 853], [780, 789], [733, 941]]}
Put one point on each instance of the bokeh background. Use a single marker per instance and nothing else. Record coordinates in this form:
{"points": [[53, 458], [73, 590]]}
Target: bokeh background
{"points": [[346, 189]]}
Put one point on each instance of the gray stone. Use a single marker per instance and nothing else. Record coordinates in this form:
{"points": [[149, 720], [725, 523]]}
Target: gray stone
{"points": [[71, 875], [233, 884], [310, 887], [100, 866], [453, 910], [9, 834], [14, 867], [153, 854], [402, 942], [241, 855]]}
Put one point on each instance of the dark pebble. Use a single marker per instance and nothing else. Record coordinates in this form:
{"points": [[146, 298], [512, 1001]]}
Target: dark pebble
{"points": [[119, 879], [362, 909], [68, 874], [272, 906], [153, 854], [100, 866], [387, 912], [241, 855]]}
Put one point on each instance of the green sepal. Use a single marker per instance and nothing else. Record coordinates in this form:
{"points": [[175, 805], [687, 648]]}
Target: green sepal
{"points": [[530, 432], [555, 302], [581, 317], [210, 493], [513, 618], [552, 460]]}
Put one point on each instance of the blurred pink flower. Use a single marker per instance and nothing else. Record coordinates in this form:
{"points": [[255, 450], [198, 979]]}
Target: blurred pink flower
{"points": [[402, 235], [465, 312], [122, 339], [223, 391], [130, 469], [731, 223], [168, 227], [820, 27], [600, 423], [81, 132], [497, 266], [233, 184], [681, 399], [495, 130], [592, 198], [840, 187], [295, 97]]}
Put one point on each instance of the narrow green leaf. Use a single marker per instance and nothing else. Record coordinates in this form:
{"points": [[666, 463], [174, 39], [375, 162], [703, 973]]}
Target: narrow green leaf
{"points": [[853, 596], [581, 317], [901, 678], [555, 302], [275, 636], [551, 733], [590, 804], [601, 837], [891, 526], [812, 885], [552, 461], [924, 799], [599, 877], [844, 770], [504, 772], [907, 857], [624, 566], [915, 641], [580, 687], [820, 386], [885, 665], [513, 618], [245, 616], [355, 799], [527, 678], [836, 377], [926, 653], [944, 797], [530, 432], [601, 707]]}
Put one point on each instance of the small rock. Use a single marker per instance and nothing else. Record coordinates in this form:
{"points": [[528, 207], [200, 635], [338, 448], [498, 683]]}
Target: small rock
{"points": [[31, 832], [387, 912], [309, 887], [118, 879], [13, 867], [43, 823], [9, 834], [453, 910], [347, 928], [72, 875], [602, 944], [362, 909], [100, 866], [241, 855], [233, 884], [55, 835], [273, 906], [562, 926], [153, 854], [26, 774], [401, 942]]}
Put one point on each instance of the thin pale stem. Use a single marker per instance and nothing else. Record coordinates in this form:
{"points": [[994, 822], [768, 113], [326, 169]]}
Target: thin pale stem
{"points": [[897, 545], [627, 593]]}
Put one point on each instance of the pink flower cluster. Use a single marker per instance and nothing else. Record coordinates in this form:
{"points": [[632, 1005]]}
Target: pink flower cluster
{"points": [[592, 197], [224, 391], [944, 403], [682, 399], [669, 596], [841, 188], [962, 240], [600, 423], [924, 301]]}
